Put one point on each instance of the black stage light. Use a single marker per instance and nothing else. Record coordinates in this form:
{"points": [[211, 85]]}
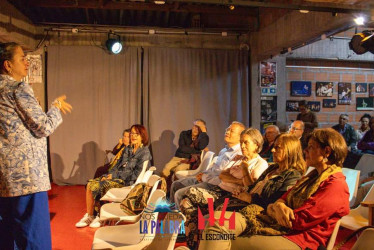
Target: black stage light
{"points": [[362, 42], [114, 45]]}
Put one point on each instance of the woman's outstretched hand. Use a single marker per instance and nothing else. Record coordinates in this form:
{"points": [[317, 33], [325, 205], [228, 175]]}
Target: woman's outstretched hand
{"points": [[62, 105]]}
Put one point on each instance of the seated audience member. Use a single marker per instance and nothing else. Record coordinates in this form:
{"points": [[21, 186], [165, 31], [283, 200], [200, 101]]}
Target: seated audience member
{"points": [[364, 127], [124, 173], [366, 144], [309, 119], [243, 174], [297, 129], [191, 142], [271, 132], [209, 178], [347, 131], [117, 152], [305, 216]]}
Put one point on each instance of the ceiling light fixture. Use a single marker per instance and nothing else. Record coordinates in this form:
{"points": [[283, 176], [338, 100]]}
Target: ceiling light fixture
{"points": [[232, 7], [159, 2], [359, 20], [304, 11], [114, 45]]}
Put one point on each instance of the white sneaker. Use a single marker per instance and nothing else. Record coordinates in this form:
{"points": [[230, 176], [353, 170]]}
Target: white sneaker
{"points": [[85, 221], [96, 222]]}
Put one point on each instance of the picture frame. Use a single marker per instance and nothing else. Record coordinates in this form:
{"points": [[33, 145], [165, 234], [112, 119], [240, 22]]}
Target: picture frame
{"points": [[364, 103], [344, 93], [324, 89], [292, 106], [314, 106], [329, 103], [268, 108], [371, 89], [301, 88], [361, 87], [268, 74]]}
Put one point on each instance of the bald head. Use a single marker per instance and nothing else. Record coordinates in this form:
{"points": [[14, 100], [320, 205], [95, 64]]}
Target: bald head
{"points": [[297, 128]]}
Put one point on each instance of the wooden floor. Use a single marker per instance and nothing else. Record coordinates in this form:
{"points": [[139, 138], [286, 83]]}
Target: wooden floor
{"points": [[67, 206]]}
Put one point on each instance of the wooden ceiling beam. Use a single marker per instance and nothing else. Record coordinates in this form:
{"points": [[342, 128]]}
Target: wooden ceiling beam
{"points": [[172, 7]]}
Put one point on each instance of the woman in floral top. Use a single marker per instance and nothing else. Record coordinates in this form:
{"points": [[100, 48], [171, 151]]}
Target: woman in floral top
{"points": [[24, 179]]}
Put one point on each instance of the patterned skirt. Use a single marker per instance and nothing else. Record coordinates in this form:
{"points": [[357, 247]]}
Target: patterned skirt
{"points": [[99, 188]]}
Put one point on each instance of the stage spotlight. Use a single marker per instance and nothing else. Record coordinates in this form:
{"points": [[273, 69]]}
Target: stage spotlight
{"points": [[362, 42], [359, 20], [114, 45]]}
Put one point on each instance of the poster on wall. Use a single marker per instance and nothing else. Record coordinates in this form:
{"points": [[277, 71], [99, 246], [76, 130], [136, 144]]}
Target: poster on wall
{"points": [[314, 106], [371, 89], [329, 103], [269, 108], [292, 106], [344, 93], [361, 87], [324, 89], [268, 74], [35, 71], [364, 103], [301, 88]]}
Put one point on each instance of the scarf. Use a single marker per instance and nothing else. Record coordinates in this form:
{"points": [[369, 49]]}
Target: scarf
{"points": [[308, 185]]}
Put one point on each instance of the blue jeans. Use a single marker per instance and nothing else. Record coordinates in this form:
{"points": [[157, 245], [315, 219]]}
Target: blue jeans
{"points": [[179, 188], [25, 222]]}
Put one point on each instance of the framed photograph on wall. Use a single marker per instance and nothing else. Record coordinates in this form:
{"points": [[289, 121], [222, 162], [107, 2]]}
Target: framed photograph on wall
{"points": [[329, 103], [292, 106], [268, 74], [314, 106], [324, 89], [364, 103], [371, 89], [361, 87], [268, 108], [344, 93], [301, 88]]}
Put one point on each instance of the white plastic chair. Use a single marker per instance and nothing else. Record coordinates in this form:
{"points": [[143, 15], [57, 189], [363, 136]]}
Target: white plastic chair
{"points": [[365, 241], [113, 211], [352, 177], [359, 217], [207, 159], [118, 194], [331, 242], [365, 165], [128, 236]]}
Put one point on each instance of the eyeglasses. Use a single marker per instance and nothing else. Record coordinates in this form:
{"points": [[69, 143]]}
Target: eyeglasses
{"points": [[134, 134], [294, 128]]}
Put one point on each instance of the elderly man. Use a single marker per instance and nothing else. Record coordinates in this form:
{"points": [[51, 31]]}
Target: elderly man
{"points": [[347, 131], [271, 132], [210, 177], [297, 129], [190, 142]]}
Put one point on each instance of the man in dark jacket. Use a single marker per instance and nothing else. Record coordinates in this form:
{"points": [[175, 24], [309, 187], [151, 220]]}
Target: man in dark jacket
{"points": [[347, 131], [191, 142]]}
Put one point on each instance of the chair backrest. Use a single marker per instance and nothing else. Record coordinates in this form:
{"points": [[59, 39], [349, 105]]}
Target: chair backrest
{"points": [[214, 160], [148, 174], [365, 241], [154, 196], [141, 175], [365, 165], [206, 161], [352, 177], [167, 241], [331, 242], [364, 211]]}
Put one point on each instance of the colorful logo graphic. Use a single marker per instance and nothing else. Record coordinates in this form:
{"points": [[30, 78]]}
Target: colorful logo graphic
{"points": [[151, 224], [212, 220]]}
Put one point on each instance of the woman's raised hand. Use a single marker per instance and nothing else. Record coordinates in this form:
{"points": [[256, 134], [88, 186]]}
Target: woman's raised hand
{"points": [[62, 105]]}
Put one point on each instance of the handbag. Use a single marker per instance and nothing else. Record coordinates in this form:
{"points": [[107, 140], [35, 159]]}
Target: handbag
{"points": [[136, 200]]}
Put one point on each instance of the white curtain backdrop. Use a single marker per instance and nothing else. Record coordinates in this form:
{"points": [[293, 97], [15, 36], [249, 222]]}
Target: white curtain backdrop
{"points": [[183, 84], [104, 91], [166, 92]]}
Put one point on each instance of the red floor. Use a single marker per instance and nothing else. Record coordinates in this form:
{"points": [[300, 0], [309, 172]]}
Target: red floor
{"points": [[67, 206]]}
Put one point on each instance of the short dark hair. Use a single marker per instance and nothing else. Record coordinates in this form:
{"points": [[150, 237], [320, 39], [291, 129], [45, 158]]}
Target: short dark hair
{"points": [[142, 132], [365, 116], [200, 120], [126, 131], [333, 139], [303, 103], [6, 53]]}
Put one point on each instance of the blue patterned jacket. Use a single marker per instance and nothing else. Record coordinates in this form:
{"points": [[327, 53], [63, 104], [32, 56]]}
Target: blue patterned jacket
{"points": [[23, 147]]}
